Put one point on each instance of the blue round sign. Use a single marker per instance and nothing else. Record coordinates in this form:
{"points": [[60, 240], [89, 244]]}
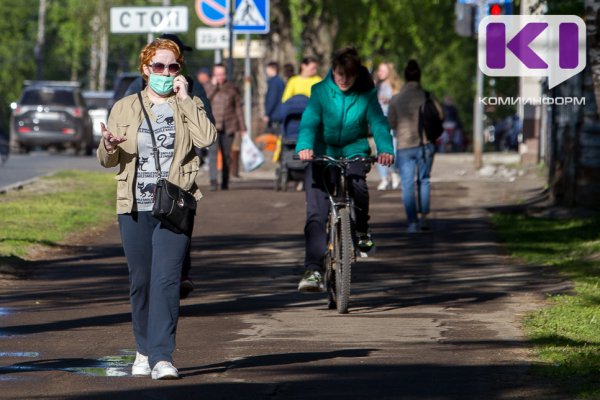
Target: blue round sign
{"points": [[212, 12]]}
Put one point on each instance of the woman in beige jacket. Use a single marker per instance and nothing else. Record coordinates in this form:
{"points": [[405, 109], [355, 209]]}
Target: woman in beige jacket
{"points": [[154, 253]]}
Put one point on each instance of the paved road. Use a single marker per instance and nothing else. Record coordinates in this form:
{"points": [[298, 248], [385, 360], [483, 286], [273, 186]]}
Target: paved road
{"points": [[21, 168], [433, 316]]}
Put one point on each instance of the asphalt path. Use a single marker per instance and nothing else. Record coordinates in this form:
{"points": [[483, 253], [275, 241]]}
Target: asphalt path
{"points": [[21, 169], [432, 316]]}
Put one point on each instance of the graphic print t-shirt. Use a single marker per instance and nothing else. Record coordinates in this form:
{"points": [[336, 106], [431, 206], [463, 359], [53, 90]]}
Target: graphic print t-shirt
{"points": [[147, 174]]}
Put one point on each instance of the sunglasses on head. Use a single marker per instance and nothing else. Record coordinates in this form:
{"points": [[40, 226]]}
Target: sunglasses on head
{"points": [[159, 68]]}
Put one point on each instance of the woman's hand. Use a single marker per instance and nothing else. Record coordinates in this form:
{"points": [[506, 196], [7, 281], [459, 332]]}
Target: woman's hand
{"points": [[180, 86], [385, 159], [306, 155], [110, 141]]}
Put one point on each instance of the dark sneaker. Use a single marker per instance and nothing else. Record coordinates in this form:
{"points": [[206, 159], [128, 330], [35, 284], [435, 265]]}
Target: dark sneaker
{"points": [[185, 287], [311, 282], [365, 242], [424, 223]]}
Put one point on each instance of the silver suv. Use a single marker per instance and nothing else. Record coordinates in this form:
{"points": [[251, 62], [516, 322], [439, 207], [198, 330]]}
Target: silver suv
{"points": [[51, 115]]}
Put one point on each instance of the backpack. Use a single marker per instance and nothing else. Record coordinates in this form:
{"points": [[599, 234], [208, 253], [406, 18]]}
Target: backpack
{"points": [[430, 120]]}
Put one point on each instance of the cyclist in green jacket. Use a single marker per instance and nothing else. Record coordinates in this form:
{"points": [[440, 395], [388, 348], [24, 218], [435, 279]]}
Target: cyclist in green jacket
{"points": [[336, 123]]}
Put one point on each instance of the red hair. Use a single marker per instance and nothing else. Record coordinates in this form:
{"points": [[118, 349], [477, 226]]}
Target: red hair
{"points": [[158, 44]]}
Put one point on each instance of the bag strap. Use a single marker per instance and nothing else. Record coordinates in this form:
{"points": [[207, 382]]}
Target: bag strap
{"points": [[154, 147], [421, 123]]}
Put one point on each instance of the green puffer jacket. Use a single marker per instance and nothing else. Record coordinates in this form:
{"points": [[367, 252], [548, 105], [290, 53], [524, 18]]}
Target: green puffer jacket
{"points": [[336, 123]]}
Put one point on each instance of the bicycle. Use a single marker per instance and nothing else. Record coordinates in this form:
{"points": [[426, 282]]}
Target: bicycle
{"points": [[342, 241]]}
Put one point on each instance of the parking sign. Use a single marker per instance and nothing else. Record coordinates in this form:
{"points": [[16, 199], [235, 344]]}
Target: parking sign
{"points": [[213, 12]]}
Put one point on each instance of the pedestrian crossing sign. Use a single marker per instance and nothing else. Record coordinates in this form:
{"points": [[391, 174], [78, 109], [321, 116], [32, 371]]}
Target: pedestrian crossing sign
{"points": [[251, 16]]}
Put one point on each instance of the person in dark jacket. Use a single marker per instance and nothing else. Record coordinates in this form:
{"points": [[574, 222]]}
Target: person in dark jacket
{"points": [[275, 86], [226, 102], [336, 123]]}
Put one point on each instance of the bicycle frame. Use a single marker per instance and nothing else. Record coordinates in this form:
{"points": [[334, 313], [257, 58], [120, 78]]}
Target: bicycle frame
{"points": [[341, 252]]}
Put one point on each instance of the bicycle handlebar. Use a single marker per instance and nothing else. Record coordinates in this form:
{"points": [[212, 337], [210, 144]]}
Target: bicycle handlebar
{"points": [[342, 160]]}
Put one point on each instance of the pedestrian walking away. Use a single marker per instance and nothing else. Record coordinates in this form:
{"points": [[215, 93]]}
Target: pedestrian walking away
{"points": [[226, 104], [414, 152], [154, 253], [336, 123]]}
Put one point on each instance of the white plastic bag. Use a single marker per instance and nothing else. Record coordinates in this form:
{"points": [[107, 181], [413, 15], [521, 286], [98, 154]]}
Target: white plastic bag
{"points": [[252, 157]]}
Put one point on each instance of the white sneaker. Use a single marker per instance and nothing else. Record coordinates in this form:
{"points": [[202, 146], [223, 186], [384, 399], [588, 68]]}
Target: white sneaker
{"points": [[312, 282], [383, 185], [140, 366], [164, 370], [413, 227], [395, 181]]}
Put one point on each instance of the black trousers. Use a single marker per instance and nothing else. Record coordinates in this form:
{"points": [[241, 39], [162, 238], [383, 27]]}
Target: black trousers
{"points": [[224, 141], [319, 180]]}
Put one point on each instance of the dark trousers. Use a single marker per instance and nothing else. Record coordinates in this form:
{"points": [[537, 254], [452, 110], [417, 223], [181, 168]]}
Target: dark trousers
{"points": [[187, 263], [154, 257], [318, 181], [224, 142]]}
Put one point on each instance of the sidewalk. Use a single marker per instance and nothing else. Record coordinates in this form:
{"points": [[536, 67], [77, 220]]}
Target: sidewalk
{"points": [[433, 316]]}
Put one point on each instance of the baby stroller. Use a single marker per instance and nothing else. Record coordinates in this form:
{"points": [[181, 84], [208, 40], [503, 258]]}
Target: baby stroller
{"points": [[290, 114]]}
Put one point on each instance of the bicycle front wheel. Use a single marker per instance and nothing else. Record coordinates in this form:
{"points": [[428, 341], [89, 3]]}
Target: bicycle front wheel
{"points": [[343, 268]]}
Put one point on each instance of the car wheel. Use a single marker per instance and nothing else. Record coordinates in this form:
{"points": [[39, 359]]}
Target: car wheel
{"points": [[17, 148]]}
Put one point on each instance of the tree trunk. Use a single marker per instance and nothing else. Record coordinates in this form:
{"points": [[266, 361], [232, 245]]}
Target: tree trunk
{"points": [[592, 7], [279, 41], [40, 40], [94, 51], [574, 170], [279, 47], [320, 31]]}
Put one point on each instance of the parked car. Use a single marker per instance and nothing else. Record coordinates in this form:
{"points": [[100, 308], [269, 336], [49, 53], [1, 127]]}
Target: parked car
{"points": [[98, 103], [4, 148], [122, 82], [51, 115]]}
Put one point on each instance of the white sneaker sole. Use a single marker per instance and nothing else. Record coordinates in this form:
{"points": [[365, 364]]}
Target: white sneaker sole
{"points": [[311, 289], [141, 371], [164, 377]]}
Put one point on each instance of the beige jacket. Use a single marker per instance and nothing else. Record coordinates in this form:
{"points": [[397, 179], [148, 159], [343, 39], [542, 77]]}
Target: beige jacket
{"points": [[193, 128], [403, 114]]}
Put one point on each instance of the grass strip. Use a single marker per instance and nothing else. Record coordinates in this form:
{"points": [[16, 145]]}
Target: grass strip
{"points": [[566, 334], [47, 211]]}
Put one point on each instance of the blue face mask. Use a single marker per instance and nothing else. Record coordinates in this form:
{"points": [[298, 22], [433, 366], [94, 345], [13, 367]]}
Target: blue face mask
{"points": [[161, 84]]}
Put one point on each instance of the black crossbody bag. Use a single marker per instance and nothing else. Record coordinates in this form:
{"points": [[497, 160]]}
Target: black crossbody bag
{"points": [[173, 206]]}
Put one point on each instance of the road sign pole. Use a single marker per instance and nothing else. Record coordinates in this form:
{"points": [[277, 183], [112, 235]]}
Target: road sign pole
{"points": [[230, 27], [478, 109], [247, 88]]}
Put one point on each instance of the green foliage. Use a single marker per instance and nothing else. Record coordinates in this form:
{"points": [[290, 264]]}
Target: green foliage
{"points": [[567, 333], [397, 31], [389, 30], [18, 27], [46, 212], [561, 7]]}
